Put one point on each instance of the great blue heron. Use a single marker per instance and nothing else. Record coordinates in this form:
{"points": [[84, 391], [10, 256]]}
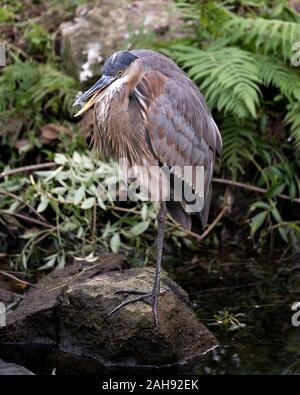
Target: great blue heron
{"points": [[150, 112]]}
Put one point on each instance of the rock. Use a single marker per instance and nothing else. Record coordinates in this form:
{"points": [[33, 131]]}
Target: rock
{"points": [[130, 338], [70, 314], [35, 318], [6, 296], [12, 370], [99, 30], [9, 296]]}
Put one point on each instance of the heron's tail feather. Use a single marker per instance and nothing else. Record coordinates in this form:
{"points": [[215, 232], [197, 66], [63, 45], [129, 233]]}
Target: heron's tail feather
{"points": [[176, 211]]}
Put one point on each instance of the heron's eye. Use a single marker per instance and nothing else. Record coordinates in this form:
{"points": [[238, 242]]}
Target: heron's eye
{"points": [[120, 72]]}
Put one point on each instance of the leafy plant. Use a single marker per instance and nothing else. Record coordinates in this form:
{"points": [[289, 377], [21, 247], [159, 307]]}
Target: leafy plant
{"points": [[241, 62], [37, 38], [6, 14], [141, 38], [76, 205], [41, 93], [228, 321], [37, 88]]}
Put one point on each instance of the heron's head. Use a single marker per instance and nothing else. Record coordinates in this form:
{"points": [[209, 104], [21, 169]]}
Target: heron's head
{"points": [[119, 68]]}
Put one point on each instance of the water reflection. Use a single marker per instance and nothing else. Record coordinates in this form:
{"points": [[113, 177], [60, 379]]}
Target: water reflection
{"points": [[258, 293]]}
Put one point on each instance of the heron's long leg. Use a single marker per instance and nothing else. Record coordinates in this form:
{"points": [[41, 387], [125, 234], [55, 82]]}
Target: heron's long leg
{"points": [[150, 297], [161, 217]]}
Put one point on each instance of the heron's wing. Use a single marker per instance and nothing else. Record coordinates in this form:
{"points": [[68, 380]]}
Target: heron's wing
{"points": [[185, 94], [183, 136]]}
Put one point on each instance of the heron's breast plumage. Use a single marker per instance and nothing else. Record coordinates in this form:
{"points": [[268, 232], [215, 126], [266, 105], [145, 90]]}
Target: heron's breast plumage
{"points": [[119, 130]]}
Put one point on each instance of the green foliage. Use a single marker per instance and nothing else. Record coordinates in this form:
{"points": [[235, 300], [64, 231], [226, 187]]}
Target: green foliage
{"points": [[38, 39], [6, 14], [275, 73], [79, 213], [273, 37], [206, 17], [229, 81], [228, 321], [140, 39], [38, 89], [293, 118], [237, 139], [68, 7], [241, 59], [238, 53]]}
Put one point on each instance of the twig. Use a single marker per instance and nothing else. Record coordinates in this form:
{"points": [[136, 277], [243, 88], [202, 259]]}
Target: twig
{"points": [[94, 224], [252, 188], [208, 230], [15, 48], [124, 209], [213, 224], [19, 199], [23, 282], [76, 275], [28, 219], [25, 169]]}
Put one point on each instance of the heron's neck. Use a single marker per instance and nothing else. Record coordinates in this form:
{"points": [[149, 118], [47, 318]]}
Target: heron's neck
{"points": [[115, 134], [120, 130]]}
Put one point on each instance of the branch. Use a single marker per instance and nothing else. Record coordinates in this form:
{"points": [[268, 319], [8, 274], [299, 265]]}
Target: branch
{"points": [[207, 231], [28, 219], [23, 282], [249, 187], [15, 48], [19, 199], [28, 169], [213, 224], [252, 188]]}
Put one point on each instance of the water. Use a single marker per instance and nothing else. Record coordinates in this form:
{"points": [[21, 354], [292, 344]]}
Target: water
{"points": [[245, 301], [247, 304]]}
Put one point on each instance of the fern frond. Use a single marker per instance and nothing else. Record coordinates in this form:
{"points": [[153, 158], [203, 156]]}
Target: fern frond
{"points": [[17, 77], [275, 73], [211, 14], [53, 86], [238, 142], [266, 36], [293, 118], [36, 86], [228, 77]]}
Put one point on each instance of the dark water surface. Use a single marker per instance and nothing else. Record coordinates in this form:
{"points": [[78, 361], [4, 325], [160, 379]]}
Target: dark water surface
{"points": [[247, 303]]}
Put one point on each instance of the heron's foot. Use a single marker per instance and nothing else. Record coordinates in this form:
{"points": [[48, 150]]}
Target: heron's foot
{"points": [[149, 298]]}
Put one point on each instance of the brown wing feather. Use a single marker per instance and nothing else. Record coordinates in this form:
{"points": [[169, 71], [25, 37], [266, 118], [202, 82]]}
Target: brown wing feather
{"points": [[189, 100], [181, 129]]}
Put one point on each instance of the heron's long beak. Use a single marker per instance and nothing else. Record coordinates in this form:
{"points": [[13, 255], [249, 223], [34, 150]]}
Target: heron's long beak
{"points": [[89, 97]]}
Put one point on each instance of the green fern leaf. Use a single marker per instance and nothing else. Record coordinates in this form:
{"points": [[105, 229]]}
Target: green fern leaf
{"points": [[293, 118], [228, 77], [266, 36]]}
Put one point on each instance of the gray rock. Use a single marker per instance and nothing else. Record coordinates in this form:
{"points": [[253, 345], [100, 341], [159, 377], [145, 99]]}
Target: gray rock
{"points": [[35, 318], [68, 311], [130, 338], [99, 30], [6, 296], [10, 369]]}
